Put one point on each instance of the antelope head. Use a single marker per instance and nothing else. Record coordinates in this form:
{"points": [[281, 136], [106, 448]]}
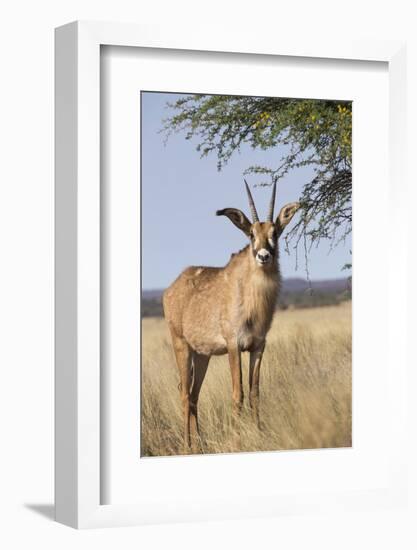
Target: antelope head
{"points": [[263, 236]]}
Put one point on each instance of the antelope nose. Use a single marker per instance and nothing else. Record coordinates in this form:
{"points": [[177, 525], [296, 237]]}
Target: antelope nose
{"points": [[263, 256]]}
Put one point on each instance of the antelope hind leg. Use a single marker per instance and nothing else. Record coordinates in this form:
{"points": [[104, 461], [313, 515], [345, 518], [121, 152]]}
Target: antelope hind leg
{"points": [[200, 364], [183, 358]]}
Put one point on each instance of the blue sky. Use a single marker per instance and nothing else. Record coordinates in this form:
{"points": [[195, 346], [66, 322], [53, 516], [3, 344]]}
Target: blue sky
{"points": [[181, 193]]}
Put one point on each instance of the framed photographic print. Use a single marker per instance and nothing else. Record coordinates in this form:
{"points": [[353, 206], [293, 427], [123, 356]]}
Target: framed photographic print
{"points": [[219, 205]]}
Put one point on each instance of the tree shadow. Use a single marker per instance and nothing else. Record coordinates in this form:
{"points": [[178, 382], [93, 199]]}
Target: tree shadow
{"points": [[45, 510]]}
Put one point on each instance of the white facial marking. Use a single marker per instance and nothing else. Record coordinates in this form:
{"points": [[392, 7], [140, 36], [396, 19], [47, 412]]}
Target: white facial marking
{"points": [[271, 243], [263, 256]]}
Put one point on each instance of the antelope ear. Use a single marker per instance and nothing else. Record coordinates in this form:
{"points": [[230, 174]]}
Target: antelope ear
{"points": [[285, 216], [237, 217]]}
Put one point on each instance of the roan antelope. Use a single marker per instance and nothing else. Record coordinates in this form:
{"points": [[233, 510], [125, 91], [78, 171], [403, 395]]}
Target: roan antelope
{"points": [[219, 310]]}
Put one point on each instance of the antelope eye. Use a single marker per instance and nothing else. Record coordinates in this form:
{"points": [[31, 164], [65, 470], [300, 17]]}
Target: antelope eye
{"points": [[251, 234]]}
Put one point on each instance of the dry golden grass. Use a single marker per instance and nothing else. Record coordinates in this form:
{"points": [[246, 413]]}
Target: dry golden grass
{"points": [[305, 389]]}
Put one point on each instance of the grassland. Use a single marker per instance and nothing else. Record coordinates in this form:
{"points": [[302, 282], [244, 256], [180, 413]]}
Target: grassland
{"points": [[305, 389]]}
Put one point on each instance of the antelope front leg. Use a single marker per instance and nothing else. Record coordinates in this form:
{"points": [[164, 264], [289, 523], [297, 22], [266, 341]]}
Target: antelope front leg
{"points": [[254, 370], [236, 372]]}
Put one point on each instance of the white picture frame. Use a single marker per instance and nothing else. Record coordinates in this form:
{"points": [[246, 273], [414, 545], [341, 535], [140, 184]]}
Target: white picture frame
{"points": [[77, 499]]}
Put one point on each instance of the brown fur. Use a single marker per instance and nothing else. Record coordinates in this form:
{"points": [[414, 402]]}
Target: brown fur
{"points": [[214, 311]]}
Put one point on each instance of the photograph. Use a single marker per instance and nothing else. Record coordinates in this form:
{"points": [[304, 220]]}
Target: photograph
{"points": [[246, 273], [208, 263]]}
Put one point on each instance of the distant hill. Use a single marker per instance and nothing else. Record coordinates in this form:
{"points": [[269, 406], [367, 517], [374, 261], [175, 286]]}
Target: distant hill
{"points": [[296, 293], [288, 285], [326, 285], [154, 294]]}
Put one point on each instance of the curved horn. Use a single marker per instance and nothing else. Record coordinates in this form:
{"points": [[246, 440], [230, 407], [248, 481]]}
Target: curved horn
{"points": [[251, 204], [272, 204]]}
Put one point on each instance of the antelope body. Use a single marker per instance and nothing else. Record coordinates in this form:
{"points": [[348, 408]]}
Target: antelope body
{"points": [[214, 311]]}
